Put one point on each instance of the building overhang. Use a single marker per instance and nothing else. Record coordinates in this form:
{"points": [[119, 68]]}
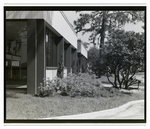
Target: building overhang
{"points": [[56, 19], [81, 49]]}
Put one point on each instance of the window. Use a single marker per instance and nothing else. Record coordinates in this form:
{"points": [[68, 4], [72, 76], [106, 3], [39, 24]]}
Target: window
{"points": [[49, 49], [16, 52]]}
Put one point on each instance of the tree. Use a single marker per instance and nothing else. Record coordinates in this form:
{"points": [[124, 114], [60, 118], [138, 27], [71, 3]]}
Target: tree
{"points": [[93, 60], [98, 22], [123, 56], [60, 70]]}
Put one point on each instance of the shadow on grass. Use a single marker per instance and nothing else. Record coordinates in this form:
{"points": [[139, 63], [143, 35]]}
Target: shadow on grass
{"points": [[133, 88], [126, 93], [11, 95], [17, 90]]}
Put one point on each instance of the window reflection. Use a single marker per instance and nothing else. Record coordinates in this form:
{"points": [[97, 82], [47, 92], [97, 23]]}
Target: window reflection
{"points": [[49, 49], [16, 52]]}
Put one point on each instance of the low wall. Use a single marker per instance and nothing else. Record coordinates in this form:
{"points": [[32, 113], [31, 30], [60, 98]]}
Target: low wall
{"points": [[51, 72]]}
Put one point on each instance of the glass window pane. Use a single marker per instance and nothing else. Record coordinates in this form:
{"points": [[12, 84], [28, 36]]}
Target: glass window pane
{"points": [[16, 52]]}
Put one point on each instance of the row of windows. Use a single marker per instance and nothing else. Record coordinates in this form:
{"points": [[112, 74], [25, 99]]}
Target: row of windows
{"points": [[16, 42]]}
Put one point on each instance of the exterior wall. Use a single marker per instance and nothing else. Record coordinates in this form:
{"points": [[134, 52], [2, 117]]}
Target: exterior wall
{"points": [[81, 49], [63, 27], [65, 44], [55, 18], [51, 72], [82, 63], [82, 56]]}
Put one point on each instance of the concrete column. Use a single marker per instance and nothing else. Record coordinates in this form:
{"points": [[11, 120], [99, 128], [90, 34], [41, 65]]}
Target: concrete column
{"points": [[35, 54], [59, 41], [54, 48], [74, 60], [68, 58], [31, 57], [84, 60], [80, 62], [41, 59], [11, 68], [20, 69]]}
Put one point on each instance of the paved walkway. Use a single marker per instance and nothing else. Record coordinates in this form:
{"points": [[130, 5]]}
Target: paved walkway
{"points": [[130, 110]]}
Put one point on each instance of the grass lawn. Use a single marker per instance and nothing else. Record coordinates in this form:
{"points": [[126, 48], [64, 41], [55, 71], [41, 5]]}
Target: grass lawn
{"points": [[20, 105]]}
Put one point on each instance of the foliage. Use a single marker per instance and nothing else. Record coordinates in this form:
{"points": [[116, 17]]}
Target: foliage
{"points": [[75, 85], [80, 85], [123, 56], [94, 62], [47, 88], [84, 43], [93, 55], [98, 22], [60, 70], [73, 66]]}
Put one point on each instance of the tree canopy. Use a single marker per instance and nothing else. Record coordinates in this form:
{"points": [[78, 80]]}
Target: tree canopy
{"points": [[122, 53], [98, 22], [122, 56]]}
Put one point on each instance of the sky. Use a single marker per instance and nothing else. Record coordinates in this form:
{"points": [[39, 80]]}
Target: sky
{"points": [[72, 15]]}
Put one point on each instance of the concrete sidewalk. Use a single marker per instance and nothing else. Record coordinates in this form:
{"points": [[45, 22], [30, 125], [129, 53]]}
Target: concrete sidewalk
{"points": [[130, 110]]}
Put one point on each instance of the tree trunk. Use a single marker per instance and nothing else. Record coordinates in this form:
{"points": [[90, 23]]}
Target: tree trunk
{"points": [[118, 78], [102, 32], [109, 80], [115, 79], [102, 35]]}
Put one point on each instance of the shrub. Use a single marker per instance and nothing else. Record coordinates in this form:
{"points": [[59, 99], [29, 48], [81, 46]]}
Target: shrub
{"points": [[108, 92], [74, 85], [47, 88]]}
